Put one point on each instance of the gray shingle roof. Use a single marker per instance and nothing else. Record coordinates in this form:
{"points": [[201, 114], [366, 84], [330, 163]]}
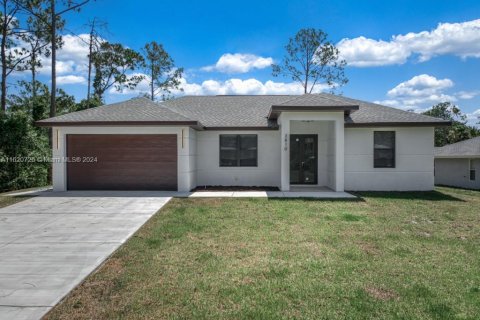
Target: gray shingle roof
{"points": [[227, 111], [375, 113], [133, 110], [237, 111], [466, 148]]}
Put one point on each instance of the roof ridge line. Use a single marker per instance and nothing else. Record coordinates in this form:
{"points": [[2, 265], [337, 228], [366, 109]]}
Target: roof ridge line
{"points": [[358, 101], [289, 100], [458, 142], [160, 104], [334, 98]]}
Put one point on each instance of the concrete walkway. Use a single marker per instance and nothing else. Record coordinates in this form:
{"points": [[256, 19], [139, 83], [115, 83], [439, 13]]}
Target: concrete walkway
{"points": [[267, 194], [297, 192], [50, 243]]}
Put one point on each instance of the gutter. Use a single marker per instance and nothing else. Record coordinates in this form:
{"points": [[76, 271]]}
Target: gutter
{"points": [[397, 124], [42, 123]]}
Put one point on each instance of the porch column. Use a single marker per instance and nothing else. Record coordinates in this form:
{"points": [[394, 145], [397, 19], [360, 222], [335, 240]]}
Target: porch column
{"points": [[59, 154], [339, 154], [285, 153]]}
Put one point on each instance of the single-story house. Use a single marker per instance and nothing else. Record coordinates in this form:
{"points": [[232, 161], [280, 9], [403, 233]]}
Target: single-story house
{"points": [[458, 164], [279, 141]]}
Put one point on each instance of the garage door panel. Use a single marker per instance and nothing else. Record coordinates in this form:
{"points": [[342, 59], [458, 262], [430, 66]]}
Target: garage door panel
{"points": [[132, 140], [123, 183], [126, 155], [123, 162]]}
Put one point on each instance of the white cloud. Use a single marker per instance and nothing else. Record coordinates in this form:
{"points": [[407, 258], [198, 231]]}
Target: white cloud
{"points": [[74, 48], [231, 86], [466, 95], [473, 118], [420, 87], [419, 93], [239, 63], [71, 79], [364, 52], [389, 102], [248, 86], [71, 58], [459, 39]]}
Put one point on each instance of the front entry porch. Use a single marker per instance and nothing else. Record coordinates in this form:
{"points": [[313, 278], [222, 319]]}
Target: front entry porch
{"points": [[312, 152]]}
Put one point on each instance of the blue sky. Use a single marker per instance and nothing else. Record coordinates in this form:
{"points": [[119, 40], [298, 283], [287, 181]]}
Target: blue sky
{"points": [[407, 54]]}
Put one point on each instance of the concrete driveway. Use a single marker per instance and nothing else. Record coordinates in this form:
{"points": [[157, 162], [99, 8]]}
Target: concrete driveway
{"points": [[50, 243]]}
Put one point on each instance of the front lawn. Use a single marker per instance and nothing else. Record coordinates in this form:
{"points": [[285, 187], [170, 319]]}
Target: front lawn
{"points": [[391, 255]]}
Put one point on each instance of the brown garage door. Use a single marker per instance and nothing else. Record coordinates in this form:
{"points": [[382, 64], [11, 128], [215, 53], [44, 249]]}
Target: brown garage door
{"points": [[122, 162]]}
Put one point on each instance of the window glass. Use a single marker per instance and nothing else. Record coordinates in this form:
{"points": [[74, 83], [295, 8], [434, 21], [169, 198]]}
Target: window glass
{"points": [[384, 149], [238, 150], [248, 150]]}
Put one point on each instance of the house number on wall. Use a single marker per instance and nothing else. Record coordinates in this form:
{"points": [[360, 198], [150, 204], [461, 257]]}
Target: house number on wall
{"points": [[286, 142]]}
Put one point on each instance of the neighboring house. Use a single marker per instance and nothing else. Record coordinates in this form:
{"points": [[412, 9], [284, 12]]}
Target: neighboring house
{"points": [[271, 140], [458, 164]]}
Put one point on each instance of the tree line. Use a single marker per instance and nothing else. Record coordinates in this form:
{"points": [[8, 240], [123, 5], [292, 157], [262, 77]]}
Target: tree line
{"points": [[31, 35], [32, 29]]}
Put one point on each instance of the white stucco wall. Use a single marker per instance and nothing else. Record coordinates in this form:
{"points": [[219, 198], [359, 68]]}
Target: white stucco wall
{"points": [[456, 172], [414, 160], [209, 172], [185, 172], [345, 155]]}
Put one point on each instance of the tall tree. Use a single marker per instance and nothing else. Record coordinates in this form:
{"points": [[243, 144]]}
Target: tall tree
{"points": [[51, 13], [160, 67], [113, 63], [94, 43], [37, 40], [55, 17], [310, 58], [458, 131], [12, 55]]}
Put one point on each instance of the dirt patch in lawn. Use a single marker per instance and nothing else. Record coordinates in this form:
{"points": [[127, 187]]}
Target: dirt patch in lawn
{"points": [[381, 294]]}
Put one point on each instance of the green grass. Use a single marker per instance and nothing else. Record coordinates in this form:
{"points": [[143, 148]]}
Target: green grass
{"points": [[387, 256], [6, 200]]}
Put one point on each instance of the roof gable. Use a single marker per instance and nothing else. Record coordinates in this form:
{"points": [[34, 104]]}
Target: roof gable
{"points": [[311, 102], [137, 110]]}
